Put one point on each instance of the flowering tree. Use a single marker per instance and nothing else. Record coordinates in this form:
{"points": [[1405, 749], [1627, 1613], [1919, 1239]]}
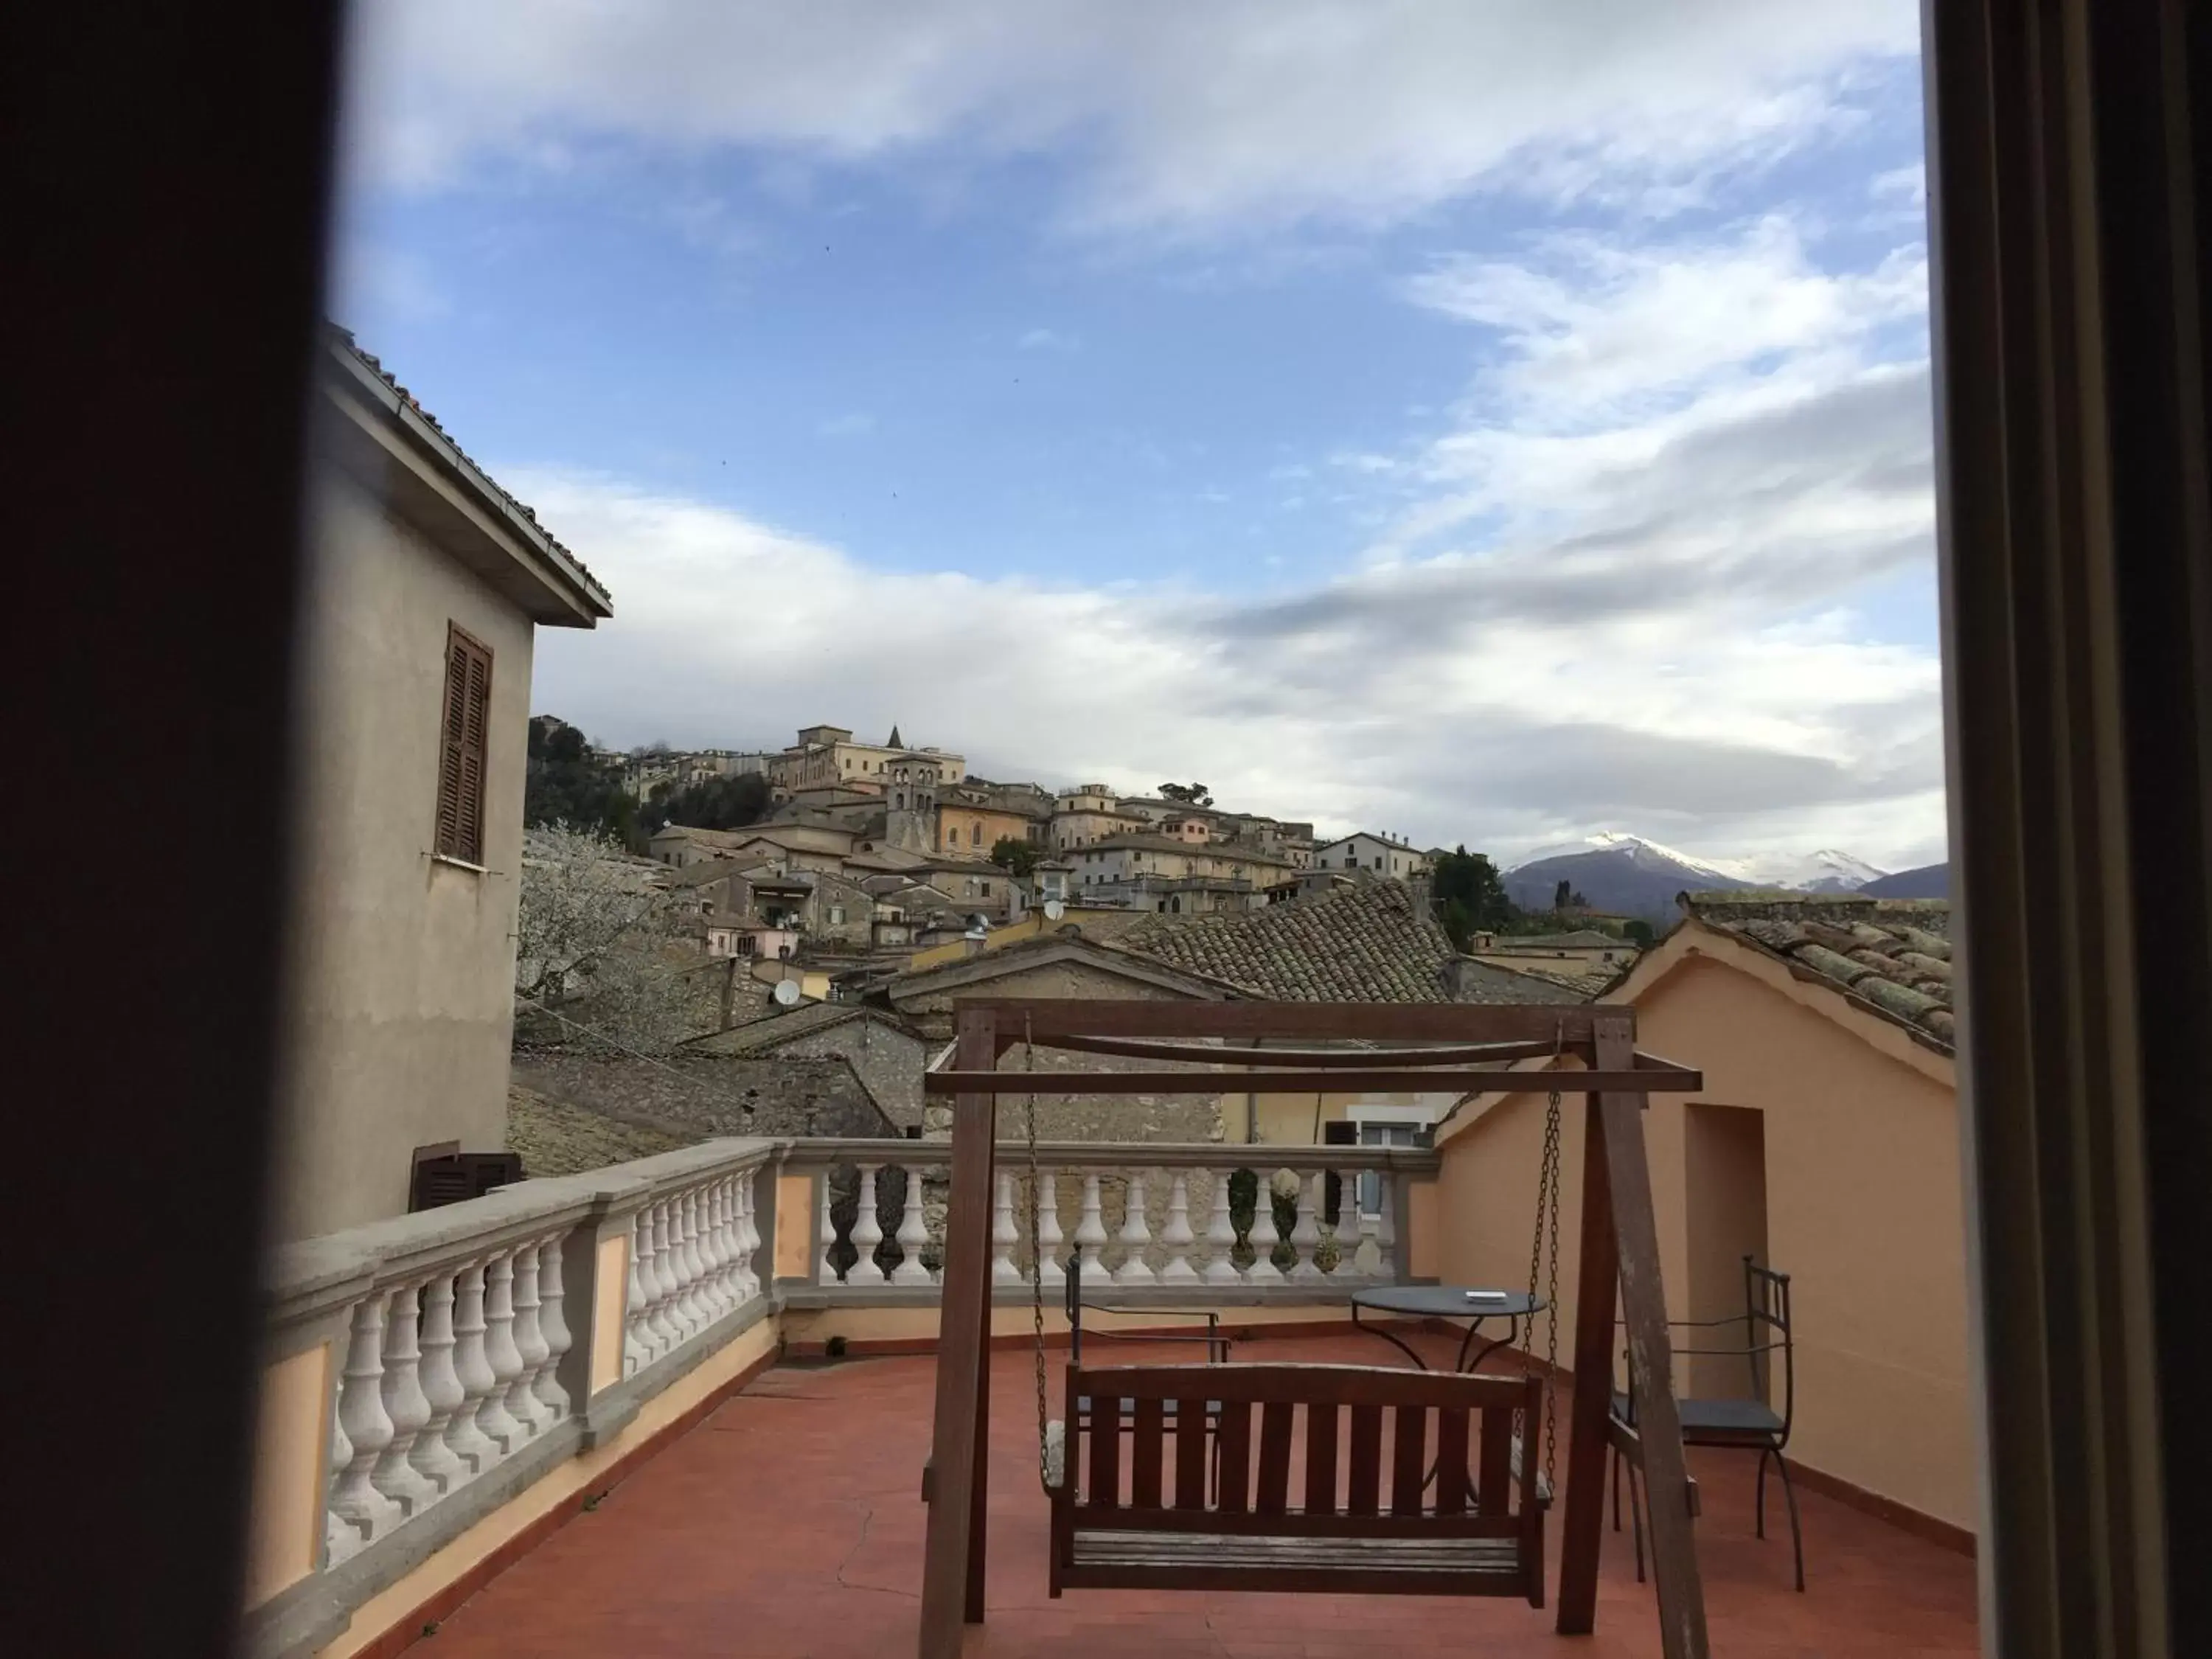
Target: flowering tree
{"points": [[596, 944]]}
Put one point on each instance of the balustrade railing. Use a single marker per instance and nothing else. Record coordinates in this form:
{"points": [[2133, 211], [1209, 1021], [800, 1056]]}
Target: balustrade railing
{"points": [[456, 1350], [450, 1359], [1185, 1221]]}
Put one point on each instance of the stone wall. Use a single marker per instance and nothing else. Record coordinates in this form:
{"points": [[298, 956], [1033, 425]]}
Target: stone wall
{"points": [[888, 1062], [698, 1098], [1157, 1117]]}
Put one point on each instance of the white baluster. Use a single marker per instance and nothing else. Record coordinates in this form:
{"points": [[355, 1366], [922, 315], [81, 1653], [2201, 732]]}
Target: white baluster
{"points": [[659, 1308], [1263, 1236], [683, 1234], [1050, 1239], [867, 1233], [1004, 1234], [522, 1402], [1370, 1255], [913, 1234], [553, 1325], [1136, 1236], [1175, 1238], [735, 1251], [713, 1252], [1091, 1233], [1348, 1225], [828, 1272], [1221, 1236], [637, 1339], [368, 1425], [467, 1434], [1305, 1233], [502, 1356], [1386, 1228], [698, 1206], [405, 1404], [748, 1235], [441, 1387], [339, 1538]]}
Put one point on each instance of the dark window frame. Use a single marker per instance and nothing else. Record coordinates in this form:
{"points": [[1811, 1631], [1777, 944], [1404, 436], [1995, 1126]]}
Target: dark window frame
{"points": [[464, 748]]}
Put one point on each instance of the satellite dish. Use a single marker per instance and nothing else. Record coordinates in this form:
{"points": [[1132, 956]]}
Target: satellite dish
{"points": [[787, 992], [1054, 909]]}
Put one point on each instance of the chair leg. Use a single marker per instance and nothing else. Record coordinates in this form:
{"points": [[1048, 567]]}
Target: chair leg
{"points": [[1759, 1503], [1636, 1520], [1796, 1537]]}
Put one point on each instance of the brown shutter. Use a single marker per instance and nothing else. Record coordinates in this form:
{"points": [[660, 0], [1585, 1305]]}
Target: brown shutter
{"points": [[463, 747]]}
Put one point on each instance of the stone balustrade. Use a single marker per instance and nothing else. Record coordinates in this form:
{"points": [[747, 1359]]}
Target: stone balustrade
{"points": [[465, 1351], [424, 1373], [1152, 1220]]}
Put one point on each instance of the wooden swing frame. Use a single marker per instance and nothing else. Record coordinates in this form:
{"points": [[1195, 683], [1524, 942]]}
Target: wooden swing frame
{"points": [[1619, 1238]]}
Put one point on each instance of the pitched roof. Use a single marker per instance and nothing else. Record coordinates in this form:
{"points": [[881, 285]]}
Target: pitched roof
{"points": [[1585, 939], [340, 340], [1890, 956], [779, 1027], [1368, 943]]}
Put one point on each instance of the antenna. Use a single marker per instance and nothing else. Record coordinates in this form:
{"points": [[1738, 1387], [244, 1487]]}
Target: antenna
{"points": [[1054, 909], [787, 992]]}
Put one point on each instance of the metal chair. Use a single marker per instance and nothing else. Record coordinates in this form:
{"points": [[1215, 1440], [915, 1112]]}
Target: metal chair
{"points": [[1217, 1347], [1746, 1422]]}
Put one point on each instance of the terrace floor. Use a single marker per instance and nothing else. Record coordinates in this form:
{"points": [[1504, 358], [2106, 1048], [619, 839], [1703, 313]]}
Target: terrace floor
{"points": [[789, 1525]]}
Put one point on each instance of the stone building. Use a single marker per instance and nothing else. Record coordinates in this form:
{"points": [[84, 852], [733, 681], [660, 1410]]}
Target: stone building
{"points": [[883, 1051]]}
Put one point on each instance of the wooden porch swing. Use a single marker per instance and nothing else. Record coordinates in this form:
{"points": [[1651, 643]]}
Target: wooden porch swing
{"points": [[1469, 1542]]}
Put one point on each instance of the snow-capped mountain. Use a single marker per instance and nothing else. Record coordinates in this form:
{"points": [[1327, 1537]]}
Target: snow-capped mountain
{"points": [[1631, 876], [1824, 872]]}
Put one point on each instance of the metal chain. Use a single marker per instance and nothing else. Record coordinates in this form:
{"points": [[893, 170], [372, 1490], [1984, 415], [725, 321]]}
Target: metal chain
{"points": [[1036, 1256], [1552, 1307], [1546, 1228]]}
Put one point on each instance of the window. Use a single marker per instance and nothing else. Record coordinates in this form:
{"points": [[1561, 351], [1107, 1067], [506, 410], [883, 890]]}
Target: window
{"points": [[837, 915], [986, 889], [1371, 1182], [467, 720]]}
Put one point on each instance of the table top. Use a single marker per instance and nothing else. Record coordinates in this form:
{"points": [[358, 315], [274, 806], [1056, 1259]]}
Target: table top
{"points": [[1446, 1302]]}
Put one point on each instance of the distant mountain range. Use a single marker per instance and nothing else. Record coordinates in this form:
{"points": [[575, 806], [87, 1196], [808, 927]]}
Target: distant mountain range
{"points": [[1930, 881], [1630, 875]]}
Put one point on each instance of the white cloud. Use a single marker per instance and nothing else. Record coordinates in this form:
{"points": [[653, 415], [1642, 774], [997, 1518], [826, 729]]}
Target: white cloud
{"points": [[856, 425], [1186, 116], [1045, 339]]}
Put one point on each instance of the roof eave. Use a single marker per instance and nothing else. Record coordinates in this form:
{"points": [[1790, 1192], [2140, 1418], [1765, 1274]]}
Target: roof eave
{"points": [[564, 595]]}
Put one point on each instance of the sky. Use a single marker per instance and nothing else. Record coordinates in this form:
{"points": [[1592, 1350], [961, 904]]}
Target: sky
{"points": [[1488, 424]]}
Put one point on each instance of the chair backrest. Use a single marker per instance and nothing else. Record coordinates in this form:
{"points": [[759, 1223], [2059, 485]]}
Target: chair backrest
{"points": [[1767, 1331], [1349, 1481]]}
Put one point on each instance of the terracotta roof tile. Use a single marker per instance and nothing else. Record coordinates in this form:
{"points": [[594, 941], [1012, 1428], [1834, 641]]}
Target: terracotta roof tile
{"points": [[1362, 943], [1893, 956]]}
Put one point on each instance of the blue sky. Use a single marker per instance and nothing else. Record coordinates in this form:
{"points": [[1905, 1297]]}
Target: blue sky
{"points": [[1491, 424]]}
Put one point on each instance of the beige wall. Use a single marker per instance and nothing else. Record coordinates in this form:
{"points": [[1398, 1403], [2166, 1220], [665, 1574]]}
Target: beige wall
{"points": [[1863, 1209], [291, 1472], [400, 993]]}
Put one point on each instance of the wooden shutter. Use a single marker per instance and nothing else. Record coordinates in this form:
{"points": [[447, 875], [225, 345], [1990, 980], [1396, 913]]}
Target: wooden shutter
{"points": [[463, 747]]}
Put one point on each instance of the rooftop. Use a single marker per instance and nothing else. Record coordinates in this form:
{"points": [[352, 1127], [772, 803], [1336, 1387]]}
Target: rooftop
{"points": [[785, 1523], [1891, 956], [1365, 943]]}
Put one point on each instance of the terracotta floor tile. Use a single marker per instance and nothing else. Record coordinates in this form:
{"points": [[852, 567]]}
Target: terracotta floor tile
{"points": [[789, 1525]]}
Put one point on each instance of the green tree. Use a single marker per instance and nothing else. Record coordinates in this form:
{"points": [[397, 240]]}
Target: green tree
{"points": [[1191, 794], [718, 803], [1019, 857], [1563, 895], [1638, 931], [562, 784], [1470, 896]]}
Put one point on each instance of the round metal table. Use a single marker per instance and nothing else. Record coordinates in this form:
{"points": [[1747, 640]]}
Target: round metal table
{"points": [[1447, 1302]]}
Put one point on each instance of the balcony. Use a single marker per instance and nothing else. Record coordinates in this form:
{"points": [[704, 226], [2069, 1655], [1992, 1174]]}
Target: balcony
{"points": [[682, 1406]]}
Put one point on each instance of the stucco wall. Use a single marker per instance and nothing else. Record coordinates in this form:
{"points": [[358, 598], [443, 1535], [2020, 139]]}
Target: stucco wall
{"points": [[1862, 1209], [399, 986], [1185, 1118]]}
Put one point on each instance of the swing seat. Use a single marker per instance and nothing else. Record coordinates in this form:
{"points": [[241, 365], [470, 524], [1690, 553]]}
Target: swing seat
{"points": [[1131, 1507]]}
